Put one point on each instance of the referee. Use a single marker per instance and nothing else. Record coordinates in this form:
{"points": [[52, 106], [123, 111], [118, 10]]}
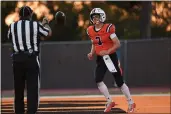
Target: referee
{"points": [[25, 35]]}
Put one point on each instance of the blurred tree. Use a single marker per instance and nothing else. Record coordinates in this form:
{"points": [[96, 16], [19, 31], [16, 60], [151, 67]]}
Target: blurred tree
{"points": [[145, 20], [6, 8], [161, 19], [132, 19]]}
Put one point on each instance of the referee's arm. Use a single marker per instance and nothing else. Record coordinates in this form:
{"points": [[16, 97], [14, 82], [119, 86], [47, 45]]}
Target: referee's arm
{"points": [[45, 31]]}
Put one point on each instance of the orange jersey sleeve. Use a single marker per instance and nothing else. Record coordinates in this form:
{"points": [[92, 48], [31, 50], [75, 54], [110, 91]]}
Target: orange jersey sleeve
{"points": [[111, 29]]}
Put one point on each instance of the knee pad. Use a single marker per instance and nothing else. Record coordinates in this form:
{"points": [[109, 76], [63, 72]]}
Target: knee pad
{"points": [[98, 80], [100, 83], [119, 84], [119, 80]]}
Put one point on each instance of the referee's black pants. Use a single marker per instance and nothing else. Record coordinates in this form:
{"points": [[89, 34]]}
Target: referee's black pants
{"points": [[26, 72]]}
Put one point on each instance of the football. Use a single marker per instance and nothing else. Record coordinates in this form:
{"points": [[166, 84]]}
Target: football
{"points": [[60, 18]]}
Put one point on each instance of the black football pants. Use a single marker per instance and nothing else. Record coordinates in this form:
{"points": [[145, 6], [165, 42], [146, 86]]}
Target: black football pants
{"points": [[101, 69], [26, 72]]}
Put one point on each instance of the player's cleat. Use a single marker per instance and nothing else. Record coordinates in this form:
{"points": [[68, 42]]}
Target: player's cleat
{"points": [[131, 107], [109, 106]]}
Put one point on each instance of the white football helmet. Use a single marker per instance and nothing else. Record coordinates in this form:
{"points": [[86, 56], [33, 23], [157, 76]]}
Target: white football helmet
{"points": [[98, 11]]}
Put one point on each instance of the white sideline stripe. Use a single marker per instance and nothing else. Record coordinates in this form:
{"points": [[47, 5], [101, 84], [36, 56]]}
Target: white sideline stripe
{"points": [[94, 96]]}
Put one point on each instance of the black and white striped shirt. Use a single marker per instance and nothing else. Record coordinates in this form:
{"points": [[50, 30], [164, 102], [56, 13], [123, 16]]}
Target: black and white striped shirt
{"points": [[25, 35]]}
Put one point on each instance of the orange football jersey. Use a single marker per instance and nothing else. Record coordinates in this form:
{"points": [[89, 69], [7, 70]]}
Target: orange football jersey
{"points": [[101, 39]]}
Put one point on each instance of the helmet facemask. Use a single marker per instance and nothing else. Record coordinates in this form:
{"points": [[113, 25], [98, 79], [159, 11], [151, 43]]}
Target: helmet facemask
{"points": [[100, 12], [96, 18]]}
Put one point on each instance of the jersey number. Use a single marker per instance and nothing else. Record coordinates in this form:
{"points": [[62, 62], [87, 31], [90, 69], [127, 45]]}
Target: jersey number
{"points": [[99, 40]]}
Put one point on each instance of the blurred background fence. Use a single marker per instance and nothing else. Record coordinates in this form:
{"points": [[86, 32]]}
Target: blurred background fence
{"points": [[64, 65], [144, 28]]}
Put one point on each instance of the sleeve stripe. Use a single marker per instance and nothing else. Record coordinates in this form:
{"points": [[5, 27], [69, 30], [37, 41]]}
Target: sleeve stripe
{"points": [[45, 33], [44, 28], [87, 32], [108, 28], [9, 32]]}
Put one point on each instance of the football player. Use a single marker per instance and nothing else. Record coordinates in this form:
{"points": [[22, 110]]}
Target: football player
{"points": [[104, 44]]}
